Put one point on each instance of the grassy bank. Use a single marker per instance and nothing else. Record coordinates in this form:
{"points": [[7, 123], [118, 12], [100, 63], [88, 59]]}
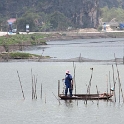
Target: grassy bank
{"points": [[23, 38], [9, 43], [20, 55]]}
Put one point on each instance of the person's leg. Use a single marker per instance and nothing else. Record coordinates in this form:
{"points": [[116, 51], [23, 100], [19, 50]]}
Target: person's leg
{"points": [[70, 90], [66, 91]]}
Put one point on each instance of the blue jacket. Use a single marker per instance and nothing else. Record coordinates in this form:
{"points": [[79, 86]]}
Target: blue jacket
{"points": [[68, 79]]}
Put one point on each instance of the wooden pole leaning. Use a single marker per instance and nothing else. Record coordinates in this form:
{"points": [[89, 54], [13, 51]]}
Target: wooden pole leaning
{"points": [[89, 86], [21, 85]]}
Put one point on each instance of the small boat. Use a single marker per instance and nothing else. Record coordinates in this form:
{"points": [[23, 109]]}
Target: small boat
{"points": [[103, 96]]}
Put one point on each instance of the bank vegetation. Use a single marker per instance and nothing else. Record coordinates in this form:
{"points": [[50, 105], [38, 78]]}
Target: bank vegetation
{"points": [[10, 44]]}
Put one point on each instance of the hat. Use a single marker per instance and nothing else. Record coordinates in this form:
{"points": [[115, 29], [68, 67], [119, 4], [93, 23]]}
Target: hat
{"points": [[67, 71]]}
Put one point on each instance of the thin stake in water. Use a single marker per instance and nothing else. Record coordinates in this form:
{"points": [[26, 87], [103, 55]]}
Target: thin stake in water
{"points": [[89, 86], [74, 82], [98, 94], [21, 85], [32, 85], [41, 90], [114, 82], [56, 98]]}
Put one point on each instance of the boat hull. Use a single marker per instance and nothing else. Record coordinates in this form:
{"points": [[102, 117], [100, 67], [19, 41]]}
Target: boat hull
{"points": [[87, 96]]}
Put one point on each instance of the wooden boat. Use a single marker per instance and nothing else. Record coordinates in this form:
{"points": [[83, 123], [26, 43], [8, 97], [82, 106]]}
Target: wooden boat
{"points": [[103, 96]]}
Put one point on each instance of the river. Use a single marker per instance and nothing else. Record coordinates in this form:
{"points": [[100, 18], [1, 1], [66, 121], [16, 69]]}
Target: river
{"points": [[102, 49], [46, 109]]}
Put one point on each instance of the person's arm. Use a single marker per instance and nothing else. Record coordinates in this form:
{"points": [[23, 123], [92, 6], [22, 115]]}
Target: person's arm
{"points": [[63, 79], [72, 84], [72, 81]]}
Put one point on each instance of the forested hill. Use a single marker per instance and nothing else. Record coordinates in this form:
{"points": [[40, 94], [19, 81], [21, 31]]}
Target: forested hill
{"points": [[112, 3], [75, 12], [58, 14]]}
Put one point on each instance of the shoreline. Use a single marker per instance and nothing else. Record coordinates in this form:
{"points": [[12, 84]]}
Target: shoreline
{"points": [[54, 36], [119, 61], [71, 35]]}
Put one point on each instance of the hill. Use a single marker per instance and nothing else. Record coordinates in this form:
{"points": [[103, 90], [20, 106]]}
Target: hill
{"points": [[44, 15], [81, 13], [111, 3]]}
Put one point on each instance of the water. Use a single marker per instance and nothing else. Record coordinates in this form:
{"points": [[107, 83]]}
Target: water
{"points": [[15, 110], [100, 49]]}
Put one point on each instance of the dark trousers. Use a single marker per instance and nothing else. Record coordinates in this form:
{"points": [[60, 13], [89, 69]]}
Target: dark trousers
{"points": [[70, 91]]}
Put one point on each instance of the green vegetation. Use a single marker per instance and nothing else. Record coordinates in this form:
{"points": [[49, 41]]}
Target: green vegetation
{"points": [[53, 21], [58, 21], [47, 15], [18, 55], [22, 38], [21, 55], [112, 13], [28, 18]]}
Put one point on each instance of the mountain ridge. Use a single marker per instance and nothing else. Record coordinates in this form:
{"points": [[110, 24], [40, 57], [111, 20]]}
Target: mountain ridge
{"points": [[80, 14]]}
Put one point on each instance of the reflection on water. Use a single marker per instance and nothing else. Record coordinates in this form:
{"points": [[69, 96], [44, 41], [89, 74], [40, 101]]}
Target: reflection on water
{"points": [[69, 103]]}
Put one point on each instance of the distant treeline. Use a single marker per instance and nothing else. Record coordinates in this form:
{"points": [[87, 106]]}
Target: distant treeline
{"points": [[50, 15], [112, 13]]}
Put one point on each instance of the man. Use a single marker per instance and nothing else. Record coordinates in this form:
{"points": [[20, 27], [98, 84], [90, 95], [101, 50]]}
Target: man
{"points": [[68, 83]]}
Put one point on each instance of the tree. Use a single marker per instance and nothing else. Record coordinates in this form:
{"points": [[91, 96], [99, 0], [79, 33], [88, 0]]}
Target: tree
{"points": [[109, 13], [58, 21], [27, 18]]}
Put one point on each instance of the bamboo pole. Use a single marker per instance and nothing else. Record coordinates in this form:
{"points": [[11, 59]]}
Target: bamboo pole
{"points": [[89, 86], [35, 88], [21, 85], [32, 85], [120, 88], [119, 84], [41, 90], [98, 94], [58, 87], [74, 67], [118, 78], [45, 98], [34, 82], [109, 83], [123, 53], [56, 98], [122, 95], [63, 87], [77, 102], [86, 99], [107, 86], [114, 82], [80, 57], [123, 59]]}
